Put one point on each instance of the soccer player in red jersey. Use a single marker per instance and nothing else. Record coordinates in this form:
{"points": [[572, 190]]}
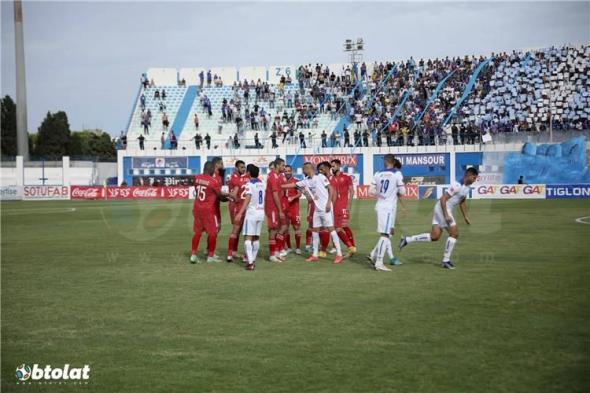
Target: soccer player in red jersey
{"points": [[218, 174], [237, 186], [344, 187], [208, 193], [291, 209], [273, 208]]}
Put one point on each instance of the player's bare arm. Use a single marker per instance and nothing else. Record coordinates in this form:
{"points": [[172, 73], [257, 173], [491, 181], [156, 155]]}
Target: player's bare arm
{"points": [[331, 196], [294, 197], [243, 208], [443, 205], [463, 208]]}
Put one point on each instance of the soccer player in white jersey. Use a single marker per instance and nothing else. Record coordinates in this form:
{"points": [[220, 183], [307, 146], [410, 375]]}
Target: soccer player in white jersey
{"points": [[319, 190], [253, 208], [387, 185], [443, 217]]}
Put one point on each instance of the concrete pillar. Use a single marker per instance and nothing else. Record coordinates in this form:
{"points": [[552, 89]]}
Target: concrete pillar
{"points": [[65, 171], [20, 171]]}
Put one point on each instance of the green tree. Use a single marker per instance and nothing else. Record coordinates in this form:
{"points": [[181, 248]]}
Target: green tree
{"points": [[54, 136], [8, 125], [92, 144]]}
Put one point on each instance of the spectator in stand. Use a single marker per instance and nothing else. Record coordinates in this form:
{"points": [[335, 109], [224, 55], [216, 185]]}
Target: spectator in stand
{"points": [[173, 140], [236, 142], [208, 141], [257, 141], [196, 121], [162, 107], [346, 138], [324, 139], [142, 101], [366, 138], [141, 138], [201, 79], [209, 78], [163, 94], [302, 140], [144, 80], [157, 94], [163, 141], [197, 140], [165, 122], [333, 139], [273, 138]]}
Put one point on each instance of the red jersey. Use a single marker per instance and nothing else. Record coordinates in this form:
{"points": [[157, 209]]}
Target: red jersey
{"points": [[206, 198], [239, 181], [341, 183], [291, 192], [219, 180], [273, 183]]}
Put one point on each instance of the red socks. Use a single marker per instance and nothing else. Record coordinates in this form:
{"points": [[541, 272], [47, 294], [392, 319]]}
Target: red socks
{"points": [[231, 245], [349, 234], [287, 239], [211, 243], [344, 237], [307, 237], [324, 240], [280, 241], [272, 246], [195, 243]]}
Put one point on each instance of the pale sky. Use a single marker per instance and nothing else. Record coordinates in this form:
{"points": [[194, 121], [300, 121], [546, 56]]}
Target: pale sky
{"points": [[86, 57]]}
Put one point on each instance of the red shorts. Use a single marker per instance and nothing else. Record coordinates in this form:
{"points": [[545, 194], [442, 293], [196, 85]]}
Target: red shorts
{"points": [[272, 218], [293, 216], [205, 221], [341, 217]]}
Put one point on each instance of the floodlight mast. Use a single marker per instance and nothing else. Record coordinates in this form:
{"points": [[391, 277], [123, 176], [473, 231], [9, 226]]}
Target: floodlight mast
{"points": [[355, 50], [22, 136]]}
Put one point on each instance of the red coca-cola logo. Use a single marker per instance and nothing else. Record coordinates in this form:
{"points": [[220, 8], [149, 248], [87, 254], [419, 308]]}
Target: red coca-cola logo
{"points": [[144, 192], [78, 192]]}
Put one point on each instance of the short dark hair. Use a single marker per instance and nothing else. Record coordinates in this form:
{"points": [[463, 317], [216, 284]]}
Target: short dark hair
{"points": [[336, 161], [397, 164], [472, 171], [288, 166], [240, 162], [390, 158], [208, 168], [216, 159], [278, 160], [324, 163], [271, 164], [253, 170]]}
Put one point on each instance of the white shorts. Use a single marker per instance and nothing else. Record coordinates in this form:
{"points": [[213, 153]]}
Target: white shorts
{"points": [[385, 220], [438, 218], [253, 224], [323, 219]]}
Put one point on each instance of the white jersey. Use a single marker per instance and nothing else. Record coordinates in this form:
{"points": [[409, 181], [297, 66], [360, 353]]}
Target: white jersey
{"points": [[457, 193], [256, 189], [388, 183], [318, 188]]}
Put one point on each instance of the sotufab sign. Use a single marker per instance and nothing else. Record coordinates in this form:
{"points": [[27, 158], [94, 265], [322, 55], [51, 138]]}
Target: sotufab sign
{"points": [[11, 193], [508, 191], [46, 192], [568, 191]]}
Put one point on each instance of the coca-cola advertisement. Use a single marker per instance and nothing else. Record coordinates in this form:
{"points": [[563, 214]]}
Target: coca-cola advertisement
{"points": [[86, 192]]}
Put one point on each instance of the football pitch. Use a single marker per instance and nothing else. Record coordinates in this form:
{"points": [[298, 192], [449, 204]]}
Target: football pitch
{"points": [[109, 284]]}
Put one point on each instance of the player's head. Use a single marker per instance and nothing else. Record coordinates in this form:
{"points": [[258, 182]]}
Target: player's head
{"points": [[217, 162], [470, 176], [253, 171], [308, 169], [272, 166], [209, 168], [240, 167], [397, 164], [280, 164], [389, 160], [336, 164], [324, 168], [288, 171]]}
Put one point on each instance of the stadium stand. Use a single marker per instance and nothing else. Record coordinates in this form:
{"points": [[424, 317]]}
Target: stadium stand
{"points": [[428, 102]]}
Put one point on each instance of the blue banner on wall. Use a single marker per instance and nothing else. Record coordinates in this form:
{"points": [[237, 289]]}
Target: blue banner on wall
{"points": [[160, 162], [428, 165], [427, 192], [567, 191]]}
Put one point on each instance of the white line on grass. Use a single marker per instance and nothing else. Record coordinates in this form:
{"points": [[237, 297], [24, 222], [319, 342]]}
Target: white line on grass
{"points": [[582, 220], [18, 212]]}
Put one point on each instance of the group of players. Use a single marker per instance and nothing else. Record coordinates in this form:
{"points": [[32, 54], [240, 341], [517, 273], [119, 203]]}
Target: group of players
{"points": [[329, 192]]}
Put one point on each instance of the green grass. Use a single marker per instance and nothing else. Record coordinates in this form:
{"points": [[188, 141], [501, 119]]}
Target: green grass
{"points": [[109, 284]]}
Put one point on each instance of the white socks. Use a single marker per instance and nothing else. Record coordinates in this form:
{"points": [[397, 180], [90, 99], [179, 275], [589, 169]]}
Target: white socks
{"points": [[449, 245], [423, 237], [388, 249], [251, 248], [380, 249], [315, 240], [336, 241]]}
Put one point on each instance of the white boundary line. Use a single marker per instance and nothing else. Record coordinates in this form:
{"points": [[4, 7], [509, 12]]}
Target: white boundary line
{"points": [[48, 210], [582, 220]]}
